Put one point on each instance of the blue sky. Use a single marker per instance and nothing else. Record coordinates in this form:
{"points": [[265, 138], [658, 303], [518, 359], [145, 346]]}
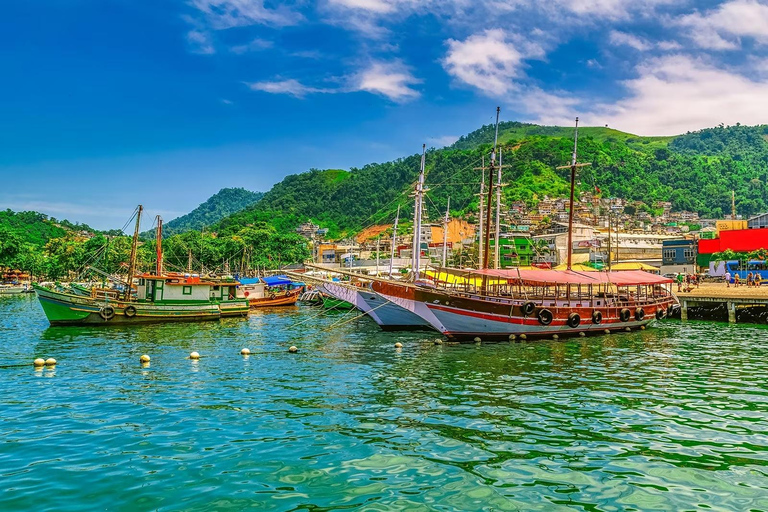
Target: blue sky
{"points": [[109, 103]]}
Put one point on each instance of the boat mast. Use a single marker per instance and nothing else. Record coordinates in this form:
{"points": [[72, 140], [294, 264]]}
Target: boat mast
{"points": [[487, 241], [394, 241], [132, 261], [480, 227], [417, 215], [159, 246], [445, 232], [498, 212]]}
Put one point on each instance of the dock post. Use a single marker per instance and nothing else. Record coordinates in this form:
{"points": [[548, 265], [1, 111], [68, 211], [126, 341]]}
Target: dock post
{"points": [[684, 310], [731, 312]]}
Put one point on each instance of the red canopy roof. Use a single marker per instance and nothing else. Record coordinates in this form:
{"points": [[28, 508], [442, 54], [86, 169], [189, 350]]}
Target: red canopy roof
{"points": [[540, 276]]}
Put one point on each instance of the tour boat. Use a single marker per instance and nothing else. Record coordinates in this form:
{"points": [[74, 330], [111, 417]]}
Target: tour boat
{"points": [[502, 304], [12, 289]]}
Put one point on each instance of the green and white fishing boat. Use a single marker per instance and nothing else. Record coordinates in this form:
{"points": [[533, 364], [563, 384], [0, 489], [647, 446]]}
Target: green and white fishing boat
{"points": [[159, 298]]}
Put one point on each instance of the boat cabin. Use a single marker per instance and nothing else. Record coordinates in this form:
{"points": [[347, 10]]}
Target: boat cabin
{"points": [[181, 288]]}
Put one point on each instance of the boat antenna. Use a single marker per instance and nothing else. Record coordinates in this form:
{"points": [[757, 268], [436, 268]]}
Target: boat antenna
{"points": [[417, 214], [159, 246], [394, 241], [573, 166], [132, 261]]}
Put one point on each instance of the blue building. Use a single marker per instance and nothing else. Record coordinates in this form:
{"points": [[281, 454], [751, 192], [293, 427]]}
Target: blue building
{"points": [[678, 256]]}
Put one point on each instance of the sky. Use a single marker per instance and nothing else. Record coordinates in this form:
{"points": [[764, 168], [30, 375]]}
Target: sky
{"points": [[105, 104]]}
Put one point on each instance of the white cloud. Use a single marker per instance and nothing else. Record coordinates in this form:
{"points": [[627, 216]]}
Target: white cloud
{"points": [[443, 140], [253, 46], [289, 86], [489, 61], [722, 28], [377, 6], [390, 79], [624, 39], [200, 42], [223, 14], [611, 9], [677, 93]]}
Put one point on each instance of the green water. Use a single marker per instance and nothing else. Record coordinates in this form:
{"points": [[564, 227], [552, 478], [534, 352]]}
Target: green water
{"points": [[673, 418]]}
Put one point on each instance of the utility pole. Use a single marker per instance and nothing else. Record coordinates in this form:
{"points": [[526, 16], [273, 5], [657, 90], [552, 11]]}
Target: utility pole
{"points": [[733, 206]]}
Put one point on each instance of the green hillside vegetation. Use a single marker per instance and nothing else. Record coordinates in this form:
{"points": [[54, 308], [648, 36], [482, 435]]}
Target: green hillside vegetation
{"points": [[220, 205], [696, 172]]}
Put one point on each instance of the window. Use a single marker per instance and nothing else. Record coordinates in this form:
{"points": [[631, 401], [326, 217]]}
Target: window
{"points": [[669, 254], [187, 290], [688, 253]]}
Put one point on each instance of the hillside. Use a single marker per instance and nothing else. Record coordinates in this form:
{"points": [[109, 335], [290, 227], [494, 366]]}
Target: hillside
{"points": [[220, 205], [695, 171]]}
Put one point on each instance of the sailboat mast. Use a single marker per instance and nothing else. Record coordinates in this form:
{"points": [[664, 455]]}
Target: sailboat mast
{"points": [[573, 183], [394, 241], [132, 261], [489, 209], [417, 217], [498, 214], [445, 232], [482, 213], [159, 246]]}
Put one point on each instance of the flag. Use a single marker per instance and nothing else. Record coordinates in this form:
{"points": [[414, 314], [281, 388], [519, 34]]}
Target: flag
{"points": [[597, 189]]}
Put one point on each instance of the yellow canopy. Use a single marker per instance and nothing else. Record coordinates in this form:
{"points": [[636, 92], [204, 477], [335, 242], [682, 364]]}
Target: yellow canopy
{"points": [[634, 265], [451, 278]]}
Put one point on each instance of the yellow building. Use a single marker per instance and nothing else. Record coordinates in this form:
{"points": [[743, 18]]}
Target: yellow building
{"points": [[730, 225]]}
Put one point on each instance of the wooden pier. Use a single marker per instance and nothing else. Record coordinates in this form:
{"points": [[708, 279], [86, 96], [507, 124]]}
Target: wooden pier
{"points": [[732, 297]]}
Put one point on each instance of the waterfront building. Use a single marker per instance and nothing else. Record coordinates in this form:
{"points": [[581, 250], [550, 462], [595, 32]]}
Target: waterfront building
{"points": [[678, 256]]}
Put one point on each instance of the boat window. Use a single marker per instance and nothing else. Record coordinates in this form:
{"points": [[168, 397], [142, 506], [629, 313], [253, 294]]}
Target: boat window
{"points": [[216, 288], [187, 290]]}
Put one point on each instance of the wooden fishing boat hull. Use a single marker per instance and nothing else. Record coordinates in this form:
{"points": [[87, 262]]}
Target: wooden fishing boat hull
{"points": [[66, 309], [283, 299], [12, 290], [234, 308], [333, 303]]}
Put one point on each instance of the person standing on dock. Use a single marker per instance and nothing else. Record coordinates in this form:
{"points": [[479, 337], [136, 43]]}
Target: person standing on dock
{"points": [[679, 282], [728, 279]]}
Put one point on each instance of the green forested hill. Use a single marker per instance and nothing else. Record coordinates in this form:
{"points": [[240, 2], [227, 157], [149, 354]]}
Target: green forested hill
{"points": [[695, 171], [220, 205]]}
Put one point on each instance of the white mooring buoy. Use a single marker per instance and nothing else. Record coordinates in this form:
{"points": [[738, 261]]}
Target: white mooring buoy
{"points": [[144, 358], [39, 362], [555, 337], [50, 362], [398, 345], [293, 349], [523, 337], [194, 355], [245, 352], [582, 334], [607, 331]]}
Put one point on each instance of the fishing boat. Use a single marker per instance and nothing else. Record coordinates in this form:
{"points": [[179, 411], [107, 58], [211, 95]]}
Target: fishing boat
{"points": [[270, 291], [158, 298], [500, 304], [12, 289], [331, 302]]}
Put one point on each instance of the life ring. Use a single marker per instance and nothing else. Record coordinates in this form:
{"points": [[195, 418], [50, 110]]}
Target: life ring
{"points": [[545, 317], [107, 313], [597, 317], [639, 314], [528, 308], [129, 311], [624, 315], [574, 319], [661, 314]]}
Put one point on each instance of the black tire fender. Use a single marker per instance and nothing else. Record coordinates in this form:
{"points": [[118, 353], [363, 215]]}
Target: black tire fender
{"points": [[129, 311], [107, 313], [624, 315], [661, 314], [574, 319], [597, 317], [545, 317], [528, 308], [639, 314]]}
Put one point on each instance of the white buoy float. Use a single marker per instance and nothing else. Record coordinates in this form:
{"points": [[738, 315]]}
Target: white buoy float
{"points": [[555, 337], [523, 337], [293, 349], [50, 362], [144, 358], [478, 340], [582, 334], [194, 355], [642, 327], [607, 331], [627, 329], [438, 341], [512, 337], [398, 345], [39, 362], [245, 352]]}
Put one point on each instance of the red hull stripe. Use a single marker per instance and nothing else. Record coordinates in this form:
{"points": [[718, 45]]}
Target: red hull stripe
{"points": [[518, 320]]}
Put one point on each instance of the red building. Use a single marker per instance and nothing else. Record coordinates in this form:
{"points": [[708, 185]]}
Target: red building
{"points": [[741, 240]]}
